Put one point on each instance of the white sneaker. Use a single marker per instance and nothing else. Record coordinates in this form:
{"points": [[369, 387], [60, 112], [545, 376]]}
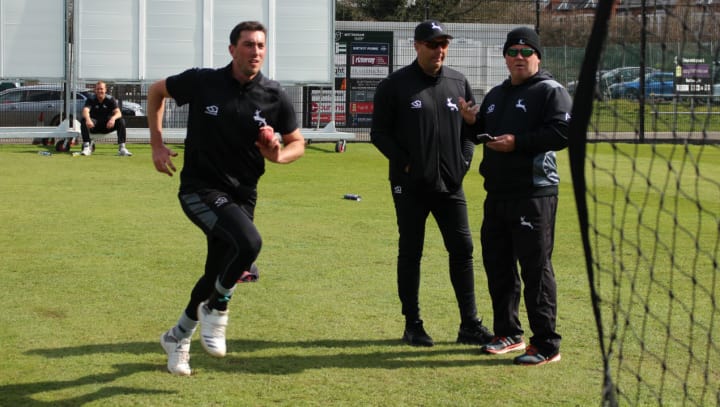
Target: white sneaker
{"points": [[178, 354], [86, 150], [123, 152], [212, 330]]}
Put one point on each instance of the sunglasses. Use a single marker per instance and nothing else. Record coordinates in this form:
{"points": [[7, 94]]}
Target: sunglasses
{"points": [[525, 52], [435, 44]]}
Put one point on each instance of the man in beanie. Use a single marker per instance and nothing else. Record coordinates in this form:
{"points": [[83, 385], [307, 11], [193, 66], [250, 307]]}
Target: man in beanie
{"points": [[419, 126], [527, 116]]}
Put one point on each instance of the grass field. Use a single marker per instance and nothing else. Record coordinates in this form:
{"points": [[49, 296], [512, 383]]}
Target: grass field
{"points": [[98, 260]]}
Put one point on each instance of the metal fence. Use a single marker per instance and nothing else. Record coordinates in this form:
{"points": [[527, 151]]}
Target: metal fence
{"points": [[475, 51]]}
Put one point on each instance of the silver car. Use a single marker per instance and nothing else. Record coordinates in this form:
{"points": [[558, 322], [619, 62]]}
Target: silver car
{"points": [[41, 105]]}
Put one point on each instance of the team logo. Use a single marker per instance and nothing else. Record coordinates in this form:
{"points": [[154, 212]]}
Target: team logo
{"points": [[416, 104], [521, 105], [212, 110], [220, 201], [490, 109], [453, 107], [259, 119], [525, 223]]}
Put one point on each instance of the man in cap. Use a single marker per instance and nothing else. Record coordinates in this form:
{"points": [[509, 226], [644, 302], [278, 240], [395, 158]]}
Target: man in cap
{"points": [[419, 126], [528, 117]]}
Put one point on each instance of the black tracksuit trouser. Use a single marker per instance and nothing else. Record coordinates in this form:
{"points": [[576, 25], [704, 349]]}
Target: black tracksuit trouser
{"points": [[101, 128], [450, 212], [522, 231]]}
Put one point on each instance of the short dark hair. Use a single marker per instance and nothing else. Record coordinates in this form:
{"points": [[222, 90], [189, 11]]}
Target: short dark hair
{"points": [[245, 26]]}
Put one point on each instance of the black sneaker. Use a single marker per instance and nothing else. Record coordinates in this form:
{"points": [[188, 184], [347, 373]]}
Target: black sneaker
{"points": [[415, 334], [474, 333], [533, 357]]}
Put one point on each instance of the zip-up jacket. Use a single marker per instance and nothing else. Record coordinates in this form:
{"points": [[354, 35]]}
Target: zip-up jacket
{"points": [[537, 112], [417, 125]]}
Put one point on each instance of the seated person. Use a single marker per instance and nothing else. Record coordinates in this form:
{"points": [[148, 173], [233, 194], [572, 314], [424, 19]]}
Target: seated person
{"points": [[101, 114]]}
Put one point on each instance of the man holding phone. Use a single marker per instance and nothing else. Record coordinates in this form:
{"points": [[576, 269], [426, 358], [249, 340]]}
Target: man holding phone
{"points": [[526, 121]]}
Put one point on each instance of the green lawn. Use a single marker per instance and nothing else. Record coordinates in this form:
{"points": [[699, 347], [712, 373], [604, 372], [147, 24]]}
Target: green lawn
{"points": [[623, 115], [98, 260]]}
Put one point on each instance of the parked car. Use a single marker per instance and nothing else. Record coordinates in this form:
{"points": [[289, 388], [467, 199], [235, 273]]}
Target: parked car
{"points": [[8, 85], [572, 86], [619, 76], [42, 105], [657, 84]]}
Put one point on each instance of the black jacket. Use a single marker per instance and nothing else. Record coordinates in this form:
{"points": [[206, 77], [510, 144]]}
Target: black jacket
{"points": [[416, 122], [537, 112]]}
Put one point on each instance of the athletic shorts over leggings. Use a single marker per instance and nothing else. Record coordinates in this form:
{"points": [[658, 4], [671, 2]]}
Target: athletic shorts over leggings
{"points": [[233, 241]]}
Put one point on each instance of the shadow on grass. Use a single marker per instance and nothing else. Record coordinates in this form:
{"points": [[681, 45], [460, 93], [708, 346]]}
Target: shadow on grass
{"points": [[21, 394], [296, 358]]}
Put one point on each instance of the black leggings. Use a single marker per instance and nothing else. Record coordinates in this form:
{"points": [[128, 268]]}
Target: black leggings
{"points": [[233, 241]]}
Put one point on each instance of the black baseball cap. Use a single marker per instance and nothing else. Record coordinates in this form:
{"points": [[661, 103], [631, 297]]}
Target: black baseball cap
{"points": [[429, 30]]}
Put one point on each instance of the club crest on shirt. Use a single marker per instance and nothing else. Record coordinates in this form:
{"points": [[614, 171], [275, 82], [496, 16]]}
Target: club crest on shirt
{"points": [[212, 110], [259, 119]]}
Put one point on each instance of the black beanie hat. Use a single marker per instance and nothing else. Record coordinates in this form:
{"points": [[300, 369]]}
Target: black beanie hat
{"points": [[524, 36]]}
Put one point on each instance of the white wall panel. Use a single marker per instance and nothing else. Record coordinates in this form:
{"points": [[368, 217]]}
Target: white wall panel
{"points": [[128, 40], [32, 38], [174, 38], [107, 32], [303, 49]]}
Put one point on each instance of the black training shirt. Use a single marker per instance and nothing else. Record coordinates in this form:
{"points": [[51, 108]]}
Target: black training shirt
{"points": [[223, 125], [101, 111]]}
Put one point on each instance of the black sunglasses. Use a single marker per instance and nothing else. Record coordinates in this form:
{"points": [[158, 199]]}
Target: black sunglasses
{"points": [[525, 52], [435, 44]]}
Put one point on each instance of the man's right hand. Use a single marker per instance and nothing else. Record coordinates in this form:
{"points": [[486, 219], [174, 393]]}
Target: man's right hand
{"points": [[161, 158]]}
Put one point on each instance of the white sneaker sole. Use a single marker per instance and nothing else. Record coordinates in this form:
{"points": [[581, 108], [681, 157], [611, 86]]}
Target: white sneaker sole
{"points": [[215, 346], [169, 349]]}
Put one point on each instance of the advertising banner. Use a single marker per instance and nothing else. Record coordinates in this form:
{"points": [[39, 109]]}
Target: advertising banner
{"points": [[362, 60], [692, 77]]}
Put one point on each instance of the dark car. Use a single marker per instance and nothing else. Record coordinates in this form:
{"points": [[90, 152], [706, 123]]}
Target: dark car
{"points": [[657, 84], [41, 105], [572, 86], [8, 85]]}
